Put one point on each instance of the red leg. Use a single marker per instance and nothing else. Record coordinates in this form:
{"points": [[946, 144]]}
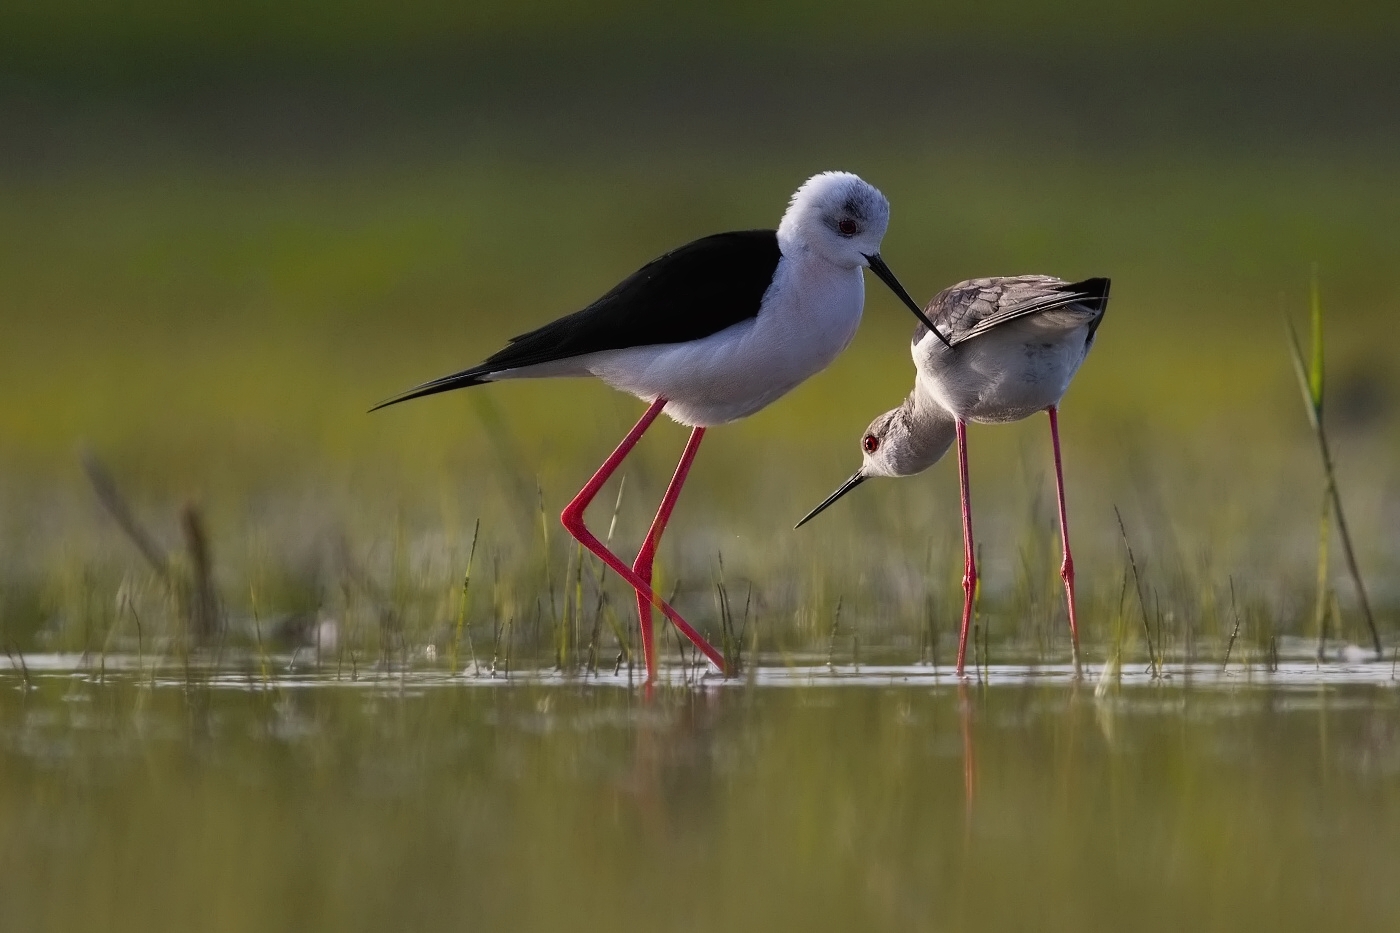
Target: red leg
{"points": [[1067, 567], [572, 519], [642, 565], [969, 561]]}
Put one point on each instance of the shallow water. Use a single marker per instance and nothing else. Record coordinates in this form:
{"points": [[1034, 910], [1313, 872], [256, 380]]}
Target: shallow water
{"points": [[870, 798]]}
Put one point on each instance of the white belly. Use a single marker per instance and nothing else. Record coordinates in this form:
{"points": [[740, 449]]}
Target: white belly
{"points": [[809, 316], [1007, 374]]}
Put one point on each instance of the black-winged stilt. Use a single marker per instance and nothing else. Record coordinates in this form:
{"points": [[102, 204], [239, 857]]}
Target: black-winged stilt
{"points": [[710, 332], [1012, 346]]}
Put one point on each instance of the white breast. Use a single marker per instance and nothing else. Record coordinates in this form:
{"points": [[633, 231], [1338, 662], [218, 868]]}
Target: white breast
{"points": [[1008, 373], [809, 315]]}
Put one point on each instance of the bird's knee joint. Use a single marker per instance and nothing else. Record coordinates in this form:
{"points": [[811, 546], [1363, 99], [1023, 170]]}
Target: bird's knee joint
{"points": [[572, 519]]}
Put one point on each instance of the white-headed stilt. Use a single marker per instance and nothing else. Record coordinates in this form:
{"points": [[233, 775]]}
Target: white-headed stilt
{"points": [[709, 333]]}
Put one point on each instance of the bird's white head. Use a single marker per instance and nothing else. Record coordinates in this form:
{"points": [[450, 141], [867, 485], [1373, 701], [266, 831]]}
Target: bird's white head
{"points": [[837, 215]]}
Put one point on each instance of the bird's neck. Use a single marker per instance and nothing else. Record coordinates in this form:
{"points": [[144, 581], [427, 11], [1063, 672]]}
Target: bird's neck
{"points": [[932, 430]]}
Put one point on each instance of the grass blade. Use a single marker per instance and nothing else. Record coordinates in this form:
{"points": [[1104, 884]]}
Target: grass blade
{"points": [[1312, 383], [462, 608], [1315, 372], [1156, 666], [1300, 368], [1324, 525]]}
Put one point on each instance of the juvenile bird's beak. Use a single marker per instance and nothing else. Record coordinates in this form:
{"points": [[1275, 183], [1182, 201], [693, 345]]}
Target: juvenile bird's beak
{"points": [[877, 266], [856, 479]]}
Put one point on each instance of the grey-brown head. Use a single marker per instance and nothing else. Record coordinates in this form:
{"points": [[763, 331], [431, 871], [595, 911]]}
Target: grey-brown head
{"points": [[901, 442]]}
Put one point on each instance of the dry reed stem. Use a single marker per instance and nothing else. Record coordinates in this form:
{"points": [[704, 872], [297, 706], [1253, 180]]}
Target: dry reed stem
{"points": [[1234, 633], [12, 651], [116, 506], [1154, 665], [203, 616], [462, 609]]}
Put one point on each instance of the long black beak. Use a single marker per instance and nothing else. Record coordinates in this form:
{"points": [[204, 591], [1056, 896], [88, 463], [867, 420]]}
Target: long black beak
{"points": [[856, 479], [877, 266]]}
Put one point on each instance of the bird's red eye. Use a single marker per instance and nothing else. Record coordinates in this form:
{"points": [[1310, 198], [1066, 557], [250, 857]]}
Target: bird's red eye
{"points": [[871, 443], [847, 226]]}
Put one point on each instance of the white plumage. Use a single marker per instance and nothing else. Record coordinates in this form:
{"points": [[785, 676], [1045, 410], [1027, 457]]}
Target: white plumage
{"points": [[708, 333], [1005, 349], [808, 315]]}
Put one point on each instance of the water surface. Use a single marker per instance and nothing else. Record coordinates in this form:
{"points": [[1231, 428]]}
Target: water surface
{"points": [[877, 798]]}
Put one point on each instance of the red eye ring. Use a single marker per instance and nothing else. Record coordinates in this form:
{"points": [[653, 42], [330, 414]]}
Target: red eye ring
{"points": [[870, 444], [847, 227]]}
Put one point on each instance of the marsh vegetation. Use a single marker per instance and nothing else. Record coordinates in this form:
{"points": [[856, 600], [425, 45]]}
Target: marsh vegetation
{"points": [[275, 663]]}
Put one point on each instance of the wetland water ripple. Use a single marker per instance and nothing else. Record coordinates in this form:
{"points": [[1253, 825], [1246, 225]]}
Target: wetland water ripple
{"points": [[883, 797]]}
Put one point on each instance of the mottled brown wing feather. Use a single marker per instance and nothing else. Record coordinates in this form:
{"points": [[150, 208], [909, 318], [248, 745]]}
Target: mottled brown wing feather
{"points": [[969, 309]]}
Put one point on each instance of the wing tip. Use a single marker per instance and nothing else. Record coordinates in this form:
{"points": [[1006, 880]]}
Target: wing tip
{"points": [[462, 380], [1094, 290]]}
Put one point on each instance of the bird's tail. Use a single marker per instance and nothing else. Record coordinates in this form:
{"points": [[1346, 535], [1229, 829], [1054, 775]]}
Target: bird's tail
{"points": [[1092, 293], [475, 376]]}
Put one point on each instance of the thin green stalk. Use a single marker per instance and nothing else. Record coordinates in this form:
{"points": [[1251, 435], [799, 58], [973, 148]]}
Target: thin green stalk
{"points": [[1120, 625], [562, 639], [726, 632], [617, 507], [623, 641], [591, 658], [976, 646], [732, 643], [12, 651], [263, 664], [1154, 666], [604, 605], [503, 442], [1234, 632], [462, 609], [831, 642], [140, 637], [1347, 551], [548, 574], [986, 651], [1320, 607], [576, 631], [1312, 381], [753, 639], [743, 629]]}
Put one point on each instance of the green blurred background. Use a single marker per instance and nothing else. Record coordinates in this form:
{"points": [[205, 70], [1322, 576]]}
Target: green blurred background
{"points": [[226, 232]]}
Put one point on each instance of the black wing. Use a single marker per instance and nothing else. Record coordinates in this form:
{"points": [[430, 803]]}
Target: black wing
{"points": [[970, 309], [691, 292]]}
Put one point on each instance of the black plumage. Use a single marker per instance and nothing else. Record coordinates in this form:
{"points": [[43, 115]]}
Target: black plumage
{"points": [[693, 291]]}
